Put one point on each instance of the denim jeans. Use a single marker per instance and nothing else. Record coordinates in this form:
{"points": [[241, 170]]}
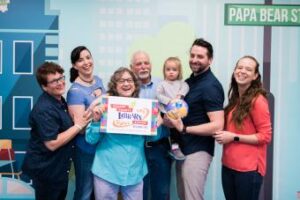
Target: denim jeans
{"points": [[241, 185], [159, 172], [83, 175]]}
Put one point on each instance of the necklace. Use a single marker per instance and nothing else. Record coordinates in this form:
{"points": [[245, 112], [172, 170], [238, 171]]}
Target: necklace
{"points": [[86, 81]]}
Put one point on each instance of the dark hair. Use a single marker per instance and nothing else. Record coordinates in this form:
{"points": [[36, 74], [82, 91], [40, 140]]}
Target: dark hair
{"points": [[75, 55], [178, 65], [203, 43], [243, 103], [112, 85], [45, 69]]}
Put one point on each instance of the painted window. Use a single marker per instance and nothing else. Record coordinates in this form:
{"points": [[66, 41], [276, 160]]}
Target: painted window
{"points": [[23, 57], [1, 51], [22, 106]]}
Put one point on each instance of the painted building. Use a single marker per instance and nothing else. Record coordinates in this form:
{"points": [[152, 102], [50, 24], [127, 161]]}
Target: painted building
{"points": [[28, 37]]}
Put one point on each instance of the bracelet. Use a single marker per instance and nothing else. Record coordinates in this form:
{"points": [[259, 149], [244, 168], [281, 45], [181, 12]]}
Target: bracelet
{"points": [[78, 126]]}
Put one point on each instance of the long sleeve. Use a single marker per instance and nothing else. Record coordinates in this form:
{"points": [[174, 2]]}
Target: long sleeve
{"points": [[184, 88], [161, 94], [260, 116]]}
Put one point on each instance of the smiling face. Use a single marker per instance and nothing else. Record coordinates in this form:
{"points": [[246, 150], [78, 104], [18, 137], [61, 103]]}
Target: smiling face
{"points": [[85, 64], [199, 60], [245, 72], [125, 85], [55, 85], [141, 66]]}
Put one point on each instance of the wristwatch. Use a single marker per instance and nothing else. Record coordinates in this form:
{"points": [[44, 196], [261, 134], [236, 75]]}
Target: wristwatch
{"points": [[236, 138]]}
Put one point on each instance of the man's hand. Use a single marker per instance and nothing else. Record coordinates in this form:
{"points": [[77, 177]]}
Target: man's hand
{"points": [[224, 137]]}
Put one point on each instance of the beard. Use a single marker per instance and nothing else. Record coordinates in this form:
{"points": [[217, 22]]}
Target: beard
{"points": [[142, 75], [198, 69]]}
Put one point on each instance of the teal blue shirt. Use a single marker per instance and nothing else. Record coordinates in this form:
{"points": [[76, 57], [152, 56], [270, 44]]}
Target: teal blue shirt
{"points": [[119, 158]]}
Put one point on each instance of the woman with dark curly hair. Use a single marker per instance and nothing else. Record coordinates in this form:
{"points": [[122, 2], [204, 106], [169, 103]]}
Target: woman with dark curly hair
{"points": [[247, 133], [119, 164]]}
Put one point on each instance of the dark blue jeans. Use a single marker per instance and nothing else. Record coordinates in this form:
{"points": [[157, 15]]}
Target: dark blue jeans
{"points": [[83, 175], [241, 185], [159, 175]]}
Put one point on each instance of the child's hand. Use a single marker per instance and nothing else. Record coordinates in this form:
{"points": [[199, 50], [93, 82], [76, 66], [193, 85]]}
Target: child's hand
{"points": [[179, 96]]}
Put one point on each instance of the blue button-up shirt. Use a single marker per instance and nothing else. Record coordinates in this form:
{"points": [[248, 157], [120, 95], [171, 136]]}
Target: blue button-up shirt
{"points": [[148, 91]]}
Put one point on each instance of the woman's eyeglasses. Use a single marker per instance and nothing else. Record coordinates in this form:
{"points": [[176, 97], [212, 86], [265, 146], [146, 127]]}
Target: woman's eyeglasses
{"points": [[56, 81], [122, 81]]}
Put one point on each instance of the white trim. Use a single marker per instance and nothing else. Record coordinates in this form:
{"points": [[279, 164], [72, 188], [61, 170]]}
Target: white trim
{"points": [[1, 55], [13, 112], [14, 50], [20, 152], [1, 117], [28, 31]]}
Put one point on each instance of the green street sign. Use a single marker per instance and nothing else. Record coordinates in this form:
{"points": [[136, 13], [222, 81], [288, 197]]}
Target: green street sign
{"points": [[262, 15]]}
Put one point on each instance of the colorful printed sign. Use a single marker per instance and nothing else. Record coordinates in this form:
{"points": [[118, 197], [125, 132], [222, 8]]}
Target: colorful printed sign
{"points": [[129, 116], [262, 15]]}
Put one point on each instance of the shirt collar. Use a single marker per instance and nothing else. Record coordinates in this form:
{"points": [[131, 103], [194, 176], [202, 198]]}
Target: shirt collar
{"points": [[199, 76]]}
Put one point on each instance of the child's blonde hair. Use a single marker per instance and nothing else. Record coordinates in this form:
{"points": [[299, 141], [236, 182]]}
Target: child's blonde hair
{"points": [[178, 64]]}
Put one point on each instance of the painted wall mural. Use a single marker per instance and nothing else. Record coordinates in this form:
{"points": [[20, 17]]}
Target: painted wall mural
{"points": [[33, 31]]}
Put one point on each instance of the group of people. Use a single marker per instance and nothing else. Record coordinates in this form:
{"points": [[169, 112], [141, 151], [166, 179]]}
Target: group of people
{"points": [[136, 166]]}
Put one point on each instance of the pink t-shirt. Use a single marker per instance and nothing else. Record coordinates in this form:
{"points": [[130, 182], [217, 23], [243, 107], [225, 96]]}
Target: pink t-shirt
{"points": [[249, 157]]}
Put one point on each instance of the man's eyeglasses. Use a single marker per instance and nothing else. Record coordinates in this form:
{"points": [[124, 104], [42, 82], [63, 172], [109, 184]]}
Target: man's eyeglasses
{"points": [[122, 81], [56, 81]]}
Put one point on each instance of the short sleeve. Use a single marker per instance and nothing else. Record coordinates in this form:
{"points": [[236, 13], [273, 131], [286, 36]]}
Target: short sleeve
{"points": [[213, 98], [47, 124], [100, 84], [75, 96]]}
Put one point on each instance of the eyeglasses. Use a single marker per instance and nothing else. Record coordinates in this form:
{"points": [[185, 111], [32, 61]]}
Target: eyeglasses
{"points": [[56, 81], [122, 81]]}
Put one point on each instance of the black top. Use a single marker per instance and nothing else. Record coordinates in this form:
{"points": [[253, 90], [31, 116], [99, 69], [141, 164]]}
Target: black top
{"points": [[48, 118], [205, 95]]}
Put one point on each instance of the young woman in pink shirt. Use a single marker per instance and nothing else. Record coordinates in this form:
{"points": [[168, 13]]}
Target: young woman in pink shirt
{"points": [[247, 133]]}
